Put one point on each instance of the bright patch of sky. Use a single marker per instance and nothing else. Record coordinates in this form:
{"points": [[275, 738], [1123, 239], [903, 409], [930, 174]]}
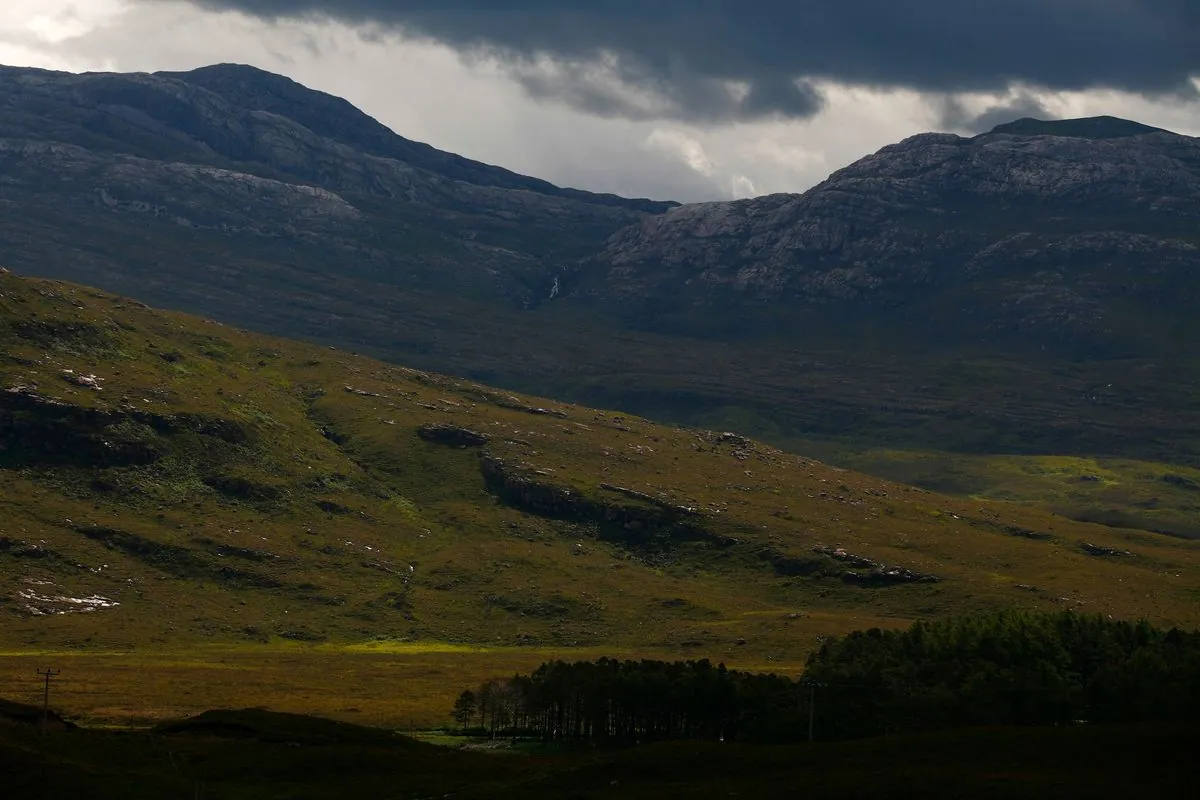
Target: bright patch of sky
{"points": [[476, 107]]}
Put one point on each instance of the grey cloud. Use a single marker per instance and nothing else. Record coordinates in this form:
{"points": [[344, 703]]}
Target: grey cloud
{"points": [[635, 91], [605, 55], [1007, 112], [955, 116]]}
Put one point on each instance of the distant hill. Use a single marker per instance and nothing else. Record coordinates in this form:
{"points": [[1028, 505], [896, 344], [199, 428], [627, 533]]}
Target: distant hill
{"points": [[12, 713], [1089, 128]]}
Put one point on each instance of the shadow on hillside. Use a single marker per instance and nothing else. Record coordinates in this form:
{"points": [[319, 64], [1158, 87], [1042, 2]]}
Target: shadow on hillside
{"points": [[258, 753]]}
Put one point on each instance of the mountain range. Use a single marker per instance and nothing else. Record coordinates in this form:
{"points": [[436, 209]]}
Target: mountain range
{"points": [[925, 313]]}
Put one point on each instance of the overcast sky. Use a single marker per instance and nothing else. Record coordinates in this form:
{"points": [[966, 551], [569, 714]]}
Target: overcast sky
{"points": [[672, 99]]}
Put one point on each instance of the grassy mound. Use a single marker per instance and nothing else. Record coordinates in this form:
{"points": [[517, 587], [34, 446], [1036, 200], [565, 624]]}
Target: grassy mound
{"points": [[274, 727]]}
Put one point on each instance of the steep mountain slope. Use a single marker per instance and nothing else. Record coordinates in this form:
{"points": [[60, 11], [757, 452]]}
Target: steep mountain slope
{"points": [[171, 480], [335, 120], [233, 151]]}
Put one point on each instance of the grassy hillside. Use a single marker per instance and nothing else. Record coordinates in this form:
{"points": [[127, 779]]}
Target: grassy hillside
{"points": [[169, 481], [1124, 493]]}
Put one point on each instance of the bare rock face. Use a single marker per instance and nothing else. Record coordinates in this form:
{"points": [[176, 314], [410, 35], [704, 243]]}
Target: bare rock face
{"points": [[647, 523], [1036, 228], [452, 435]]}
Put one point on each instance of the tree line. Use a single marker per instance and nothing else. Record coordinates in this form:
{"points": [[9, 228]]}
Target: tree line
{"points": [[1007, 668], [611, 701]]}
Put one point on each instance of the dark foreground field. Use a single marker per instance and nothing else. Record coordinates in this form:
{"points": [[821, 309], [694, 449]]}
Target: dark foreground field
{"points": [[255, 754]]}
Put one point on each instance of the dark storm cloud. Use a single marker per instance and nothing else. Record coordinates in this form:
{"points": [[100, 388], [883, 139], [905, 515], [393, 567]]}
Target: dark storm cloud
{"points": [[745, 59], [629, 90]]}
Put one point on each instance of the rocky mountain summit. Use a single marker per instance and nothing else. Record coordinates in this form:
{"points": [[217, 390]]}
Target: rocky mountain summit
{"points": [[1035, 230]]}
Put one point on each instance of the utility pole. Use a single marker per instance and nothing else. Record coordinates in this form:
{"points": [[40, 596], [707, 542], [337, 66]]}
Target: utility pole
{"points": [[47, 674], [812, 710]]}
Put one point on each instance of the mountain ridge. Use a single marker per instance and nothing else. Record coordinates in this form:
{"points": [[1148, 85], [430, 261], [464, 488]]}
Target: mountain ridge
{"points": [[254, 89], [1101, 127], [316, 110]]}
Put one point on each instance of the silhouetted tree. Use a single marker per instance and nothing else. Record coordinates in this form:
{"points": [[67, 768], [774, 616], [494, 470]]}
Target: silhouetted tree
{"points": [[464, 708]]}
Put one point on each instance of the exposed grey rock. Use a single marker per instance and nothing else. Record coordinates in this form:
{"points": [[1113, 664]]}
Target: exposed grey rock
{"points": [[1097, 550], [650, 524], [452, 435], [1041, 233], [651, 499], [876, 574]]}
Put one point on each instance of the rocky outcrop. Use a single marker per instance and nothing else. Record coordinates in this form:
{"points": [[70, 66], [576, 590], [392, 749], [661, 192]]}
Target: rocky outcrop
{"points": [[1098, 550], [647, 523], [514, 403], [240, 487], [454, 436], [18, 548], [658, 502], [657, 524], [173, 559], [873, 573], [37, 429], [1181, 482]]}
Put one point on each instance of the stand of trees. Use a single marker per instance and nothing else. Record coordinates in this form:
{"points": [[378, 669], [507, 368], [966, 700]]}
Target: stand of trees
{"points": [[610, 701], [1012, 668]]}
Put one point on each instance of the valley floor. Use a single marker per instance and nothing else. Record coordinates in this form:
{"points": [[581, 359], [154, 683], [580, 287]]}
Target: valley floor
{"points": [[399, 686]]}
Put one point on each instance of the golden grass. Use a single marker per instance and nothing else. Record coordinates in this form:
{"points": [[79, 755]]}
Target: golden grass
{"points": [[403, 688], [1117, 491]]}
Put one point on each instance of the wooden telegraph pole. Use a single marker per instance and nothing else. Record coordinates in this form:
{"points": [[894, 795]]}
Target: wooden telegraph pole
{"points": [[47, 674], [812, 709]]}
